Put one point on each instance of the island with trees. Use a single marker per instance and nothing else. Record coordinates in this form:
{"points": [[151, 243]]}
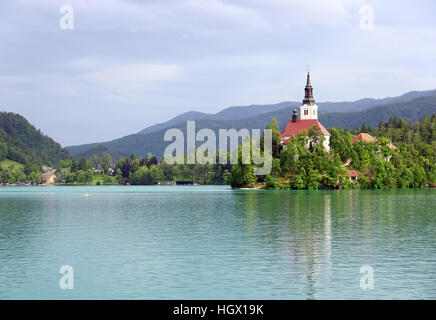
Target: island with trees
{"points": [[402, 155]]}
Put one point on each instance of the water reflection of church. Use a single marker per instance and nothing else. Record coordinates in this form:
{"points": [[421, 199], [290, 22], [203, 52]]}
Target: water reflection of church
{"points": [[299, 229]]}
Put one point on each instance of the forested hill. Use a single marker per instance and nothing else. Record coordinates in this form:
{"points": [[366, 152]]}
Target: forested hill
{"points": [[411, 111], [22, 142], [99, 150]]}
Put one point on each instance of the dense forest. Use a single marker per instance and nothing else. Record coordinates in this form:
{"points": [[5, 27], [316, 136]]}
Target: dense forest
{"points": [[24, 149], [22, 142]]}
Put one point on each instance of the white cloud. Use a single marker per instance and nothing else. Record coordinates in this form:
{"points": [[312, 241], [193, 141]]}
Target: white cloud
{"points": [[130, 78], [191, 15], [205, 15], [289, 13], [82, 63], [14, 80]]}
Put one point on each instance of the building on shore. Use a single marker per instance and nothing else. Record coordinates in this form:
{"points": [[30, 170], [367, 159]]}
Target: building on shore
{"points": [[308, 118], [49, 177]]}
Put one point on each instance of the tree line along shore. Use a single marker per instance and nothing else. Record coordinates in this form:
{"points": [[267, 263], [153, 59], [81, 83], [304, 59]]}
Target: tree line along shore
{"points": [[402, 155]]}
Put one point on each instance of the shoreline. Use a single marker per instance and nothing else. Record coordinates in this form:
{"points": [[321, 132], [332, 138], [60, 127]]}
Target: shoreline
{"points": [[262, 187]]}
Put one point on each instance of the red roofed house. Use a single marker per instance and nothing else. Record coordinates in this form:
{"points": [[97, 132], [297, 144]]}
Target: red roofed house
{"points": [[308, 118], [364, 138], [367, 138], [353, 175]]}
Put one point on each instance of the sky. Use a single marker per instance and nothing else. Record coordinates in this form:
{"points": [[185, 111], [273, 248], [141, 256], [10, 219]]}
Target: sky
{"points": [[118, 66]]}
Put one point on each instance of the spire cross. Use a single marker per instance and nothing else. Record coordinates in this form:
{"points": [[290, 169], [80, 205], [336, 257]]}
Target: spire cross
{"points": [[308, 68]]}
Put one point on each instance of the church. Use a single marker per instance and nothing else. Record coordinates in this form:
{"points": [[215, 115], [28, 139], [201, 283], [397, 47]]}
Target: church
{"points": [[308, 118]]}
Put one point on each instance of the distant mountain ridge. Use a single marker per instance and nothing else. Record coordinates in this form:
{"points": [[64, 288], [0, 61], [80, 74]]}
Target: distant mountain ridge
{"points": [[411, 106], [231, 113], [411, 111], [243, 112]]}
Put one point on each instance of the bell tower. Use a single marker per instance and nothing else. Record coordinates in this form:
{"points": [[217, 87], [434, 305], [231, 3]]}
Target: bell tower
{"points": [[308, 110]]}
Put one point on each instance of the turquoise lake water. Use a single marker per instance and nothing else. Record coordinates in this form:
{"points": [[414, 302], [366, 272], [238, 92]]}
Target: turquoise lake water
{"points": [[211, 242]]}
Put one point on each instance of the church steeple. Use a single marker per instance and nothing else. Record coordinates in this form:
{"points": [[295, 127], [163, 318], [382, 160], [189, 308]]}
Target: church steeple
{"points": [[308, 110], [308, 92]]}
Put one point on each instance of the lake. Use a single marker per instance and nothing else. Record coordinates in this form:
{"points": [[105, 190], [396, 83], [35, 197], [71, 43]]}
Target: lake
{"points": [[211, 242]]}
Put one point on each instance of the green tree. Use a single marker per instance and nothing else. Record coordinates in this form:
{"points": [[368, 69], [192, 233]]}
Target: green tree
{"points": [[276, 145], [312, 180], [83, 164]]}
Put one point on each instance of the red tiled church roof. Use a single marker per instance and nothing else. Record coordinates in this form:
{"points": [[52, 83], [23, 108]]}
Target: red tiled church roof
{"points": [[294, 128]]}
